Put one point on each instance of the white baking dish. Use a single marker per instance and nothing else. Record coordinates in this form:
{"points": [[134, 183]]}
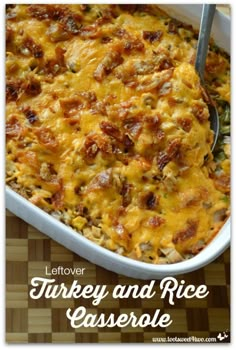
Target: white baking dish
{"points": [[101, 256]]}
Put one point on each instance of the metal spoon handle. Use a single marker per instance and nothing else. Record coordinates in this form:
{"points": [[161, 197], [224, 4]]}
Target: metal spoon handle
{"points": [[203, 40]]}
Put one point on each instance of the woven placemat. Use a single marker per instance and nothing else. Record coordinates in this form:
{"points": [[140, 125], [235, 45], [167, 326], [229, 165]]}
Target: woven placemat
{"points": [[28, 252]]}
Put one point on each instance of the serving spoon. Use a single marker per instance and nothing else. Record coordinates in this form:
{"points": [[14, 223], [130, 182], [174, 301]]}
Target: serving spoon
{"points": [[208, 12]]}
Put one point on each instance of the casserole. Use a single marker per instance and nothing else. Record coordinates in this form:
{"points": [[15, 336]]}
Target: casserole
{"points": [[103, 180]]}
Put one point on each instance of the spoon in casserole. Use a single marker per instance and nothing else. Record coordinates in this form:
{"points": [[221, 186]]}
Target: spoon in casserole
{"points": [[208, 12]]}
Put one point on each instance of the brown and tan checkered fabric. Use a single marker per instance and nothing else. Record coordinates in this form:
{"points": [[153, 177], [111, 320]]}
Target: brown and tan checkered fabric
{"points": [[44, 320]]}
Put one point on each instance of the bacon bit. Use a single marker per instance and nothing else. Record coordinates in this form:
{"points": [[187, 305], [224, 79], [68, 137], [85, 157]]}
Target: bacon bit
{"points": [[216, 67], [90, 148], [171, 152], [126, 194], [30, 115], [39, 11], [215, 63], [107, 14], [90, 101], [127, 78], [155, 81], [99, 107], [222, 183], [32, 87], [173, 148], [81, 210], [10, 6], [163, 159], [128, 143], [56, 32], [29, 158], [106, 39], [152, 36], [103, 143], [147, 200], [92, 31], [205, 95], [85, 8], [58, 197], [128, 42], [101, 181], [128, 7], [13, 127], [190, 198], [144, 178], [9, 35], [42, 12], [187, 233], [13, 89], [200, 112], [185, 123], [165, 63], [46, 138], [156, 221], [74, 121], [120, 33], [108, 148], [70, 106], [174, 24], [124, 108], [69, 24], [60, 56], [109, 62], [112, 130], [162, 60], [57, 65], [89, 96], [133, 44], [35, 49], [186, 26], [153, 122], [220, 215], [204, 193], [56, 13], [134, 127]]}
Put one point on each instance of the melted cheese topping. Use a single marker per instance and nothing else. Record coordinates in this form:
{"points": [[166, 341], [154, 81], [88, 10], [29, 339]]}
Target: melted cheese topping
{"points": [[108, 130]]}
